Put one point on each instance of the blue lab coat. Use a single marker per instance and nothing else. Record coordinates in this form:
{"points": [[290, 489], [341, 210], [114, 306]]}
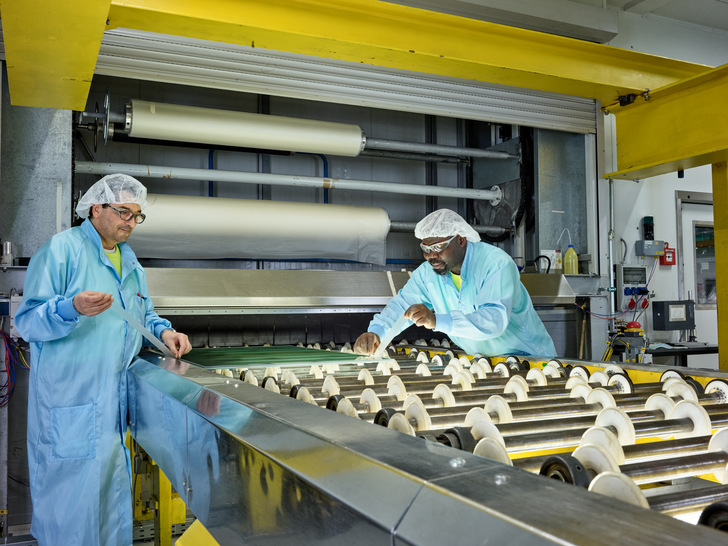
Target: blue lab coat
{"points": [[492, 314], [80, 474]]}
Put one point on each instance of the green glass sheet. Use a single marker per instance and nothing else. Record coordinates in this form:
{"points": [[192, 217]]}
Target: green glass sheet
{"points": [[245, 357]]}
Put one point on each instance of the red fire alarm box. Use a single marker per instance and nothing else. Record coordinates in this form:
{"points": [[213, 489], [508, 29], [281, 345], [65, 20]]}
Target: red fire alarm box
{"points": [[669, 257]]}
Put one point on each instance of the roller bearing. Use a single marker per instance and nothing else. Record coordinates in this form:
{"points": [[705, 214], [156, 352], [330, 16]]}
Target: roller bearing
{"points": [[333, 402], [567, 469], [697, 387], [383, 416], [461, 438], [715, 516]]}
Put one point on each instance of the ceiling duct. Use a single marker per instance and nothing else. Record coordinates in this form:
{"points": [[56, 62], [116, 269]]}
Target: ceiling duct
{"points": [[559, 17]]}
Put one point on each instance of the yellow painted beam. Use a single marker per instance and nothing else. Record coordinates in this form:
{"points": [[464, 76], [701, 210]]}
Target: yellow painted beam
{"points": [[52, 46], [681, 126], [720, 232], [51, 49], [391, 35]]}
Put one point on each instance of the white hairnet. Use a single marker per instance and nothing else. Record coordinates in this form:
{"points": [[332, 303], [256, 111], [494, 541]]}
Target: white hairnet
{"points": [[113, 189], [445, 223]]}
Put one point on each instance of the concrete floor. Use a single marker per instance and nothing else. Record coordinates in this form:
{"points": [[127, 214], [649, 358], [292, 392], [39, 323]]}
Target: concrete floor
{"points": [[19, 535]]}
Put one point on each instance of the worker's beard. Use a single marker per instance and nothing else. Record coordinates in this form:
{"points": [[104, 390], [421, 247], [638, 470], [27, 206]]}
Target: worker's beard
{"points": [[439, 266]]}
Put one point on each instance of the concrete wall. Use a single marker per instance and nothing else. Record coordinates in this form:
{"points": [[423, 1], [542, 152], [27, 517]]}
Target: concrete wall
{"points": [[35, 174]]}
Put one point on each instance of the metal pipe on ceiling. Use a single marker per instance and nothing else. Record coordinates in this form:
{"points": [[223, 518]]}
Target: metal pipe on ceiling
{"points": [[413, 156], [173, 122], [409, 227], [189, 123], [417, 147], [611, 251], [182, 173]]}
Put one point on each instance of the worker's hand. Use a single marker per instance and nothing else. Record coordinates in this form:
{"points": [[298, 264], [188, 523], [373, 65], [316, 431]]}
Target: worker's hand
{"points": [[178, 343], [366, 343], [92, 303], [421, 315]]}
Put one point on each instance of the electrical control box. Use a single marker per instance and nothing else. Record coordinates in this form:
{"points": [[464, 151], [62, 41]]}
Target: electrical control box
{"points": [[649, 248], [9, 307], [673, 315], [629, 279], [630, 282]]}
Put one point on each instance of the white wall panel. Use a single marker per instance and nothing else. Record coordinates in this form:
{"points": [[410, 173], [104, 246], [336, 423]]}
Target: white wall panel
{"points": [[656, 196]]}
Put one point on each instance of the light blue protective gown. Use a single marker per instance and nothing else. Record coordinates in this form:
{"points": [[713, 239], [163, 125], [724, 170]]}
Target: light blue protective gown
{"points": [[80, 474], [492, 314]]}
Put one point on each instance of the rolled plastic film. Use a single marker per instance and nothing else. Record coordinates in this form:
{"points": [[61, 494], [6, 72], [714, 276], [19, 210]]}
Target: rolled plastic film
{"points": [[247, 130], [396, 328], [185, 227]]}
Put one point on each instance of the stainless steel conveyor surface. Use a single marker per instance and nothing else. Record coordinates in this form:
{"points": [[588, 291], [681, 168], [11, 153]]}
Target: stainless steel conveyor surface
{"points": [[261, 468]]}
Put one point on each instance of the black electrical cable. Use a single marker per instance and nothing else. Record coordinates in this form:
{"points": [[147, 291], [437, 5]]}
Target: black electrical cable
{"points": [[16, 480], [548, 267]]}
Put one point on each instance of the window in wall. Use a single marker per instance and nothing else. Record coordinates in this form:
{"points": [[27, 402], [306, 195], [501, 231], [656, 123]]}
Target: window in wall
{"points": [[704, 265]]}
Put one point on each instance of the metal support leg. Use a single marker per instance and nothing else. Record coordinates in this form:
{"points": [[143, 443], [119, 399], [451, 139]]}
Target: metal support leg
{"points": [[720, 223], [162, 509], [3, 456], [3, 472]]}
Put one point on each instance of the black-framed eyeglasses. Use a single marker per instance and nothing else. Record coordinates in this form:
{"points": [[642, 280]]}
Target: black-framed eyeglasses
{"points": [[436, 247], [127, 215]]}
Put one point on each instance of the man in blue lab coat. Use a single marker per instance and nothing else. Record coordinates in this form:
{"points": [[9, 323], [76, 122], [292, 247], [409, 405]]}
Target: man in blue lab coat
{"points": [[466, 289], [80, 474]]}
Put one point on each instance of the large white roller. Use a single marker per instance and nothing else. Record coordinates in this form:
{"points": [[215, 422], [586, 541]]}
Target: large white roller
{"points": [[161, 121], [187, 227]]}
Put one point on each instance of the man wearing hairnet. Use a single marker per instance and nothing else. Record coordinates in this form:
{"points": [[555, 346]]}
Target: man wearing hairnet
{"points": [[80, 474], [468, 290]]}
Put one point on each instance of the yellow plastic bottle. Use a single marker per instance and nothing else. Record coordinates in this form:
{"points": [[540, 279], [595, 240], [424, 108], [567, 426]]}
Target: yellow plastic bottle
{"points": [[571, 261]]}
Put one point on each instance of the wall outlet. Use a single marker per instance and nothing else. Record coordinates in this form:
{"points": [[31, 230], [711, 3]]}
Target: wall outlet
{"points": [[556, 260]]}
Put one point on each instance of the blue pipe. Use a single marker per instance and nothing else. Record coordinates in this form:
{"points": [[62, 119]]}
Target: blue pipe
{"points": [[326, 175], [326, 172], [210, 165]]}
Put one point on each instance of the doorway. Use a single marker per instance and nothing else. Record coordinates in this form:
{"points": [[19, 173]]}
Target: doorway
{"points": [[696, 269]]}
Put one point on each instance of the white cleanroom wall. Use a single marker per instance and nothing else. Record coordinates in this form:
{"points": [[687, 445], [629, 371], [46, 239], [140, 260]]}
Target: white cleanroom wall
{"points": [[656, 196], [183, 227]]}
